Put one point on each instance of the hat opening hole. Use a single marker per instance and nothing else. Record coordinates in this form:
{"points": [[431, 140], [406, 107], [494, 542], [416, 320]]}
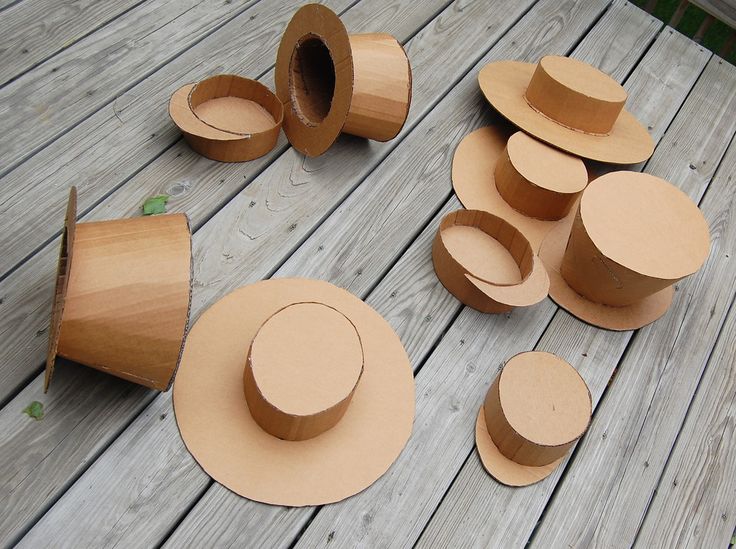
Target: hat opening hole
{"points": [[311, 80]]}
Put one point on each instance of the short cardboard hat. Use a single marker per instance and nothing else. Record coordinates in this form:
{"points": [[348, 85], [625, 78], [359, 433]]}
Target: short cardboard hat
{"points": [[227, 117], [536, 409], [569, 104], [633, 236], [122, 296], [294, 392], [487, 263], [331, 82], [528, 183]]}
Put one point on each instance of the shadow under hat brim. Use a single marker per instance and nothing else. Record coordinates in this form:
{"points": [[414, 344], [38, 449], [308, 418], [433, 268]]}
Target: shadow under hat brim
{"points": [[629, 317], [218, 430], [473, 178], [504, 84], [503, 469]]}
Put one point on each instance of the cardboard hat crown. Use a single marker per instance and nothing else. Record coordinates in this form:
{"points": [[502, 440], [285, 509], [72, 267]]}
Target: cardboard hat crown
{"points": [[294, 392], [331, 82], [122, 296], [569, 104], [227, 117], [536, 409], [633, 236], [487, 263], [530, 184]]}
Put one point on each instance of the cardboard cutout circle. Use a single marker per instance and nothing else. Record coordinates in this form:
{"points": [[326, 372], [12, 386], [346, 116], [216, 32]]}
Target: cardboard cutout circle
{"points": [[219, 431], [505, 83]]}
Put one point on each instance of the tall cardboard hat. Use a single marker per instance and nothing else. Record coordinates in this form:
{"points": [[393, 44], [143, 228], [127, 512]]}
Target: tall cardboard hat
{"points": [[227, 117], [331, 82], [487, 263], [570, 105], [294, 392], [528, 183], [122, 296], [633, 236], [536, 409]]}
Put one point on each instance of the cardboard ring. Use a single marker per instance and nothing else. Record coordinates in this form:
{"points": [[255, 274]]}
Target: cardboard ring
{"points": [[505, 83], [227, 117], [220, 433]]}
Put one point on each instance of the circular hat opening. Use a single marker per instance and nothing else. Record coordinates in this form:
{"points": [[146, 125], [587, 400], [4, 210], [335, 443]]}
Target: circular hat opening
{"points": [[311, 80]]}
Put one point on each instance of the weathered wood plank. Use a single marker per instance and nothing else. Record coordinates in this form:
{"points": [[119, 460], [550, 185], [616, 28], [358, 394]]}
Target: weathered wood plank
{"points": [[695, 501], [37, 29]]}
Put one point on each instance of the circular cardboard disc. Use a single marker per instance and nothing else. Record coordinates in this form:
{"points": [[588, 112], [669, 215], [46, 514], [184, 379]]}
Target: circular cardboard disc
{"points": [[629, 317], [532, 290], [218, 430], [504, 84], [189, 123]]}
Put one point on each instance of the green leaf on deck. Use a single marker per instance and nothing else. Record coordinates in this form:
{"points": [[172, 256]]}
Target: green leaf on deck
{"points": [[155, 204], [34, 410]]}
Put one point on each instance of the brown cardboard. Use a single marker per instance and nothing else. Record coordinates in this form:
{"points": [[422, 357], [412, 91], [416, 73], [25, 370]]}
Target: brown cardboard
{"points": [[634, 235], [227, 117], [331, 82], [568, 104], [524, 181], [487, 263], [122, 296], [536, 409], [213, 412]]}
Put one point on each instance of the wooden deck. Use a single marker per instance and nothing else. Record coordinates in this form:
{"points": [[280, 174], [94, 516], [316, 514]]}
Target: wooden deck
{"points": [[83, 101]]}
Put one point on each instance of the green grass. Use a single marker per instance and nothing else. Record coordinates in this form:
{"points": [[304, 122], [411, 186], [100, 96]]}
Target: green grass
{"points": [[714, 37]]}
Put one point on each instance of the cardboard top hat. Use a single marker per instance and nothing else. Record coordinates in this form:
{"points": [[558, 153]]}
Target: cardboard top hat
{"points": [[525, 181], [487, 263], [535, 410], [294, 392], [633, 236], [570, 105], [227, 117], [331, 82], [122, 296]]}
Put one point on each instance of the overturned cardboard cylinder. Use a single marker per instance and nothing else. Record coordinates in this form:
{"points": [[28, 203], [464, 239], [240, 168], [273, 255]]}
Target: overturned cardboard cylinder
{"points": [[331, 82], [227, 117], [122, 296]]}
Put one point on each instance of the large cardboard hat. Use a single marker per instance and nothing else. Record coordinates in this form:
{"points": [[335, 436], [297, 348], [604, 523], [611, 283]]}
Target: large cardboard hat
{"points": [[294, 392], [536, 409], [487, 263], [569, 104], [122, 296], [227, 117], [633, 236], [331, 82], [528, 183]]}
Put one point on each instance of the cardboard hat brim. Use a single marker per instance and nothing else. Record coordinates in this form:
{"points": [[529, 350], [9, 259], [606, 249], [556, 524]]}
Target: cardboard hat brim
{"points": [[504, 84], [218, 430], [473, 178], [503, 469], [628, 317]]}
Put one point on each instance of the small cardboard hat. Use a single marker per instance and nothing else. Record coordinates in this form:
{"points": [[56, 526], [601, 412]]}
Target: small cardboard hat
{"points": [[633, 236], [536, 409], [227, 117], [524, 181], [569, 104], [331, 82], [294, 392], [122, 296], [487, 263]]}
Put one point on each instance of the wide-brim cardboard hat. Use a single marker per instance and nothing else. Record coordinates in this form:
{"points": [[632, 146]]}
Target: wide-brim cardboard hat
{"points": [[227, 117], [528, 183], [535, 410], [633, 236], [294, 392], [331, 82], [122, 296], [569, 104], [487, 263]]}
